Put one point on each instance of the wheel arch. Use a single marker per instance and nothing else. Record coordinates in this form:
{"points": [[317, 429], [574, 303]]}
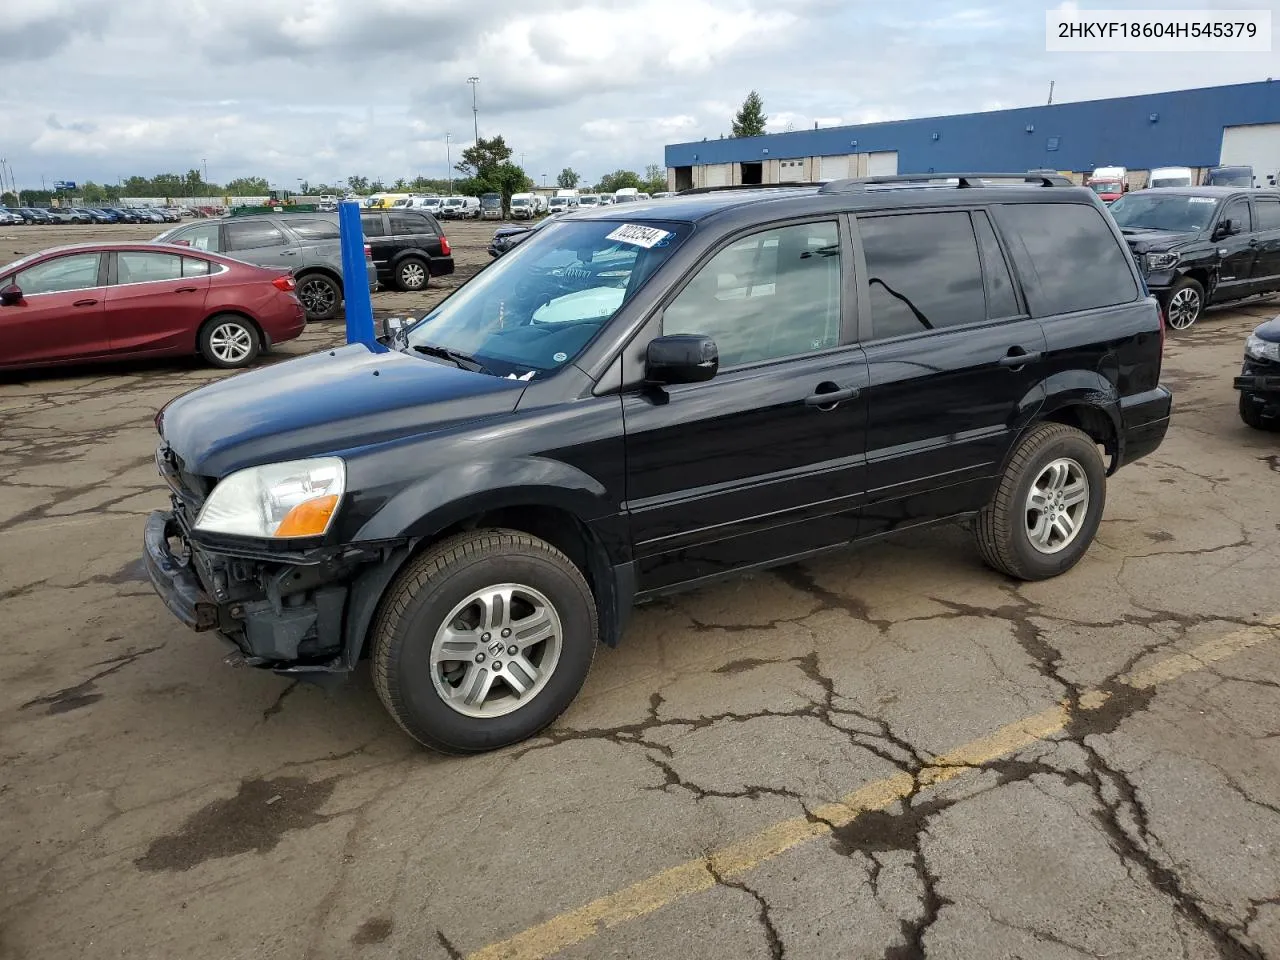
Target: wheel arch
{"points": [[325, 271], [1094, 409]]}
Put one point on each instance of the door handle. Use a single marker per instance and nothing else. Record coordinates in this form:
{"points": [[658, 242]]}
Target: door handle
{"points": [[289, 253], [84, 303], [1017, 357], [827, 399], [186, 290], [1253, 242]]}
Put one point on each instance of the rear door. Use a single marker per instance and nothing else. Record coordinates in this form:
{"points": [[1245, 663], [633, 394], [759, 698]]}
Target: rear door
{"points": [[381, 247], [1237, 252], [954, 360], [61, 316], [260, 242], [1266, 234], [199, 236], [750, 467], [155, 301]]}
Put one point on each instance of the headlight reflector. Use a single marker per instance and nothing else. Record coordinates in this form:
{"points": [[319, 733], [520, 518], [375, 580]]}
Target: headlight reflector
{"points": [[1161, 261], [297, 498], [1255, 346]]}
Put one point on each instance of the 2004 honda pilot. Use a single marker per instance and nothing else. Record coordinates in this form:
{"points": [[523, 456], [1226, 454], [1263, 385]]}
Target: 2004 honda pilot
{"points": [[641, 400]]}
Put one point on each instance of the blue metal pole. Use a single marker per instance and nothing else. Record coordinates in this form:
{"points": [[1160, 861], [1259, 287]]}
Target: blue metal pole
{"points": [[359, 304]]}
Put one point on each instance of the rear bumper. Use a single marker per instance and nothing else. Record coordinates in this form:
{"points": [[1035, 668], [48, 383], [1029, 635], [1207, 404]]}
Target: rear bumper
{"points": [[1144, 420], [441, 266]]}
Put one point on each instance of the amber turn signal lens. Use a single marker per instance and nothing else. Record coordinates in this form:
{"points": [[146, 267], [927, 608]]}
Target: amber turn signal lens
{"points": [[309, 518]]}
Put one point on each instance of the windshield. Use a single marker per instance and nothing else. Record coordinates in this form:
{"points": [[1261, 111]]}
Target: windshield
{"points": [[535, 309], [588, 201], [1106, 186], [519, 202], [1146, 211], [491, 201], [1178, 181], [1230, 179], [453, 202]]}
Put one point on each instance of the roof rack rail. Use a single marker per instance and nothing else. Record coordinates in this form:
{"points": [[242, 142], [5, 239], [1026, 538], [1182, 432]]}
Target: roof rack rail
{"points": [[754, 186], [1041, 178]]}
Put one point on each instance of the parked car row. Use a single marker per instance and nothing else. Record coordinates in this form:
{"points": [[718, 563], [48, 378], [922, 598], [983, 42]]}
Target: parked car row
{"points": [[48, 216]]}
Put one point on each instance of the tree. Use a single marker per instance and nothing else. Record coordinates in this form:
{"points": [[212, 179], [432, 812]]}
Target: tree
{"points": [[358, 184], [611, 182], [750, 120], [568, 178], [377, 186], [248, 187], [8, 199], [483, 157], [655, 179], [401, 185]]}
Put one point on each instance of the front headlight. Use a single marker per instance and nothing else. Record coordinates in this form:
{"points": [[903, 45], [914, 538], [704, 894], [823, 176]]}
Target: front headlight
{"points": [[1255, 346], [293, 499], [1161, 261]]}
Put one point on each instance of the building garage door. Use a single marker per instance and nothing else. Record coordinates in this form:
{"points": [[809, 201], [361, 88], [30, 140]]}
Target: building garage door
{"points": [[1257, 146], [790, 171], [834, 168], [884, 164], [717, 175]]}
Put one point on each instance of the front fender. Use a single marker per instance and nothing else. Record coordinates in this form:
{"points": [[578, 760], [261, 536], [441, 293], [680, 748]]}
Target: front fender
{"points": [[448, 496]]}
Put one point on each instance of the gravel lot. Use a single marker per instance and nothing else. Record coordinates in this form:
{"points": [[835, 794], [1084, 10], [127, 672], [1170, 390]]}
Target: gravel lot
{"points": [[887, 753]]}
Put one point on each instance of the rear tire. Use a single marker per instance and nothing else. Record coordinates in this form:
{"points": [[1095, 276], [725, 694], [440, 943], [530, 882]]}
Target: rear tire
{"points": [[229, 341], [451, 685], [412, 275], [1047, 507], [1185, 304], [321, 297]]}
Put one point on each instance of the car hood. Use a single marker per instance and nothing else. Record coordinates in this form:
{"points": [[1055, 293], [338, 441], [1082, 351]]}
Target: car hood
{"points": [[1269, 331], [327, 402], [1153, 241]]}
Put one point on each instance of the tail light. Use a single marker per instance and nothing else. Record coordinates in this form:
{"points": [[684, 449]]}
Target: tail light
{"points": [[445, 249], [284, 284], [368, 250]]}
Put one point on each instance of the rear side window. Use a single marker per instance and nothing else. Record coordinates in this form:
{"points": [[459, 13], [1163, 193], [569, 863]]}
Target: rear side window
{"points": [[249, 235], [1268, 211], [193, 267], [373, 226], [202, 237], [411, 223], [923, 272], [314, 229], [1001, 301], [1073, 256]]}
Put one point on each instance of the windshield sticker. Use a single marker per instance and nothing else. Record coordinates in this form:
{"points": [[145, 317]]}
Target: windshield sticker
{"points": [[1203, 199], [560, 357], [638, 236]]}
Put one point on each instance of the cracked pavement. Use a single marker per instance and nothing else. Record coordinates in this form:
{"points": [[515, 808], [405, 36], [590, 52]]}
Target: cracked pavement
{"points": [[886, 753]]}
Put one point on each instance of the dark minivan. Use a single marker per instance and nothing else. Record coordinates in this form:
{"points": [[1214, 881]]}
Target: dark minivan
{"points": [[408, 247], [641, 400]]}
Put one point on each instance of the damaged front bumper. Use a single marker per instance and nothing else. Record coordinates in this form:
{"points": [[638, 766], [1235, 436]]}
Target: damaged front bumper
{"points": [[288, 614]]}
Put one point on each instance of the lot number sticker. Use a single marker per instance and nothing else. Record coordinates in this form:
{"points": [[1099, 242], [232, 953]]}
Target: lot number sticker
{"points": [[639, 236]]}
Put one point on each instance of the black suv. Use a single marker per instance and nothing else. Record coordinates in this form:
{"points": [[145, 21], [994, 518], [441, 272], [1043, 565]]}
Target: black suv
{"points": [[408, 247], [1202, 245], [645, 400]]}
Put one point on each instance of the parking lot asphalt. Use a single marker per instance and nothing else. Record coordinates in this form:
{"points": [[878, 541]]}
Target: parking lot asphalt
{"points": [[890, 752]]}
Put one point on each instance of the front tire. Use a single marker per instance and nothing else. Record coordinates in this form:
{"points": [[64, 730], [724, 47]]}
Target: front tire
{"points": [[320, 296], [1253, 417], [412, 275], [1185, 304], [1047, 507], [229, 341], [483, 641]]}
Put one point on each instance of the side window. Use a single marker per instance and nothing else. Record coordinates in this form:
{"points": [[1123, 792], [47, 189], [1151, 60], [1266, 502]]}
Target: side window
{"points": [[1268, 211], [251, 234], [135, 267], [410, 223], [772, 294], [206, 236], [314, 229], [1001, 301], [1237, 211], [373, 226], [194, 267], [923, 272], [79, 271], [1075, 258]]}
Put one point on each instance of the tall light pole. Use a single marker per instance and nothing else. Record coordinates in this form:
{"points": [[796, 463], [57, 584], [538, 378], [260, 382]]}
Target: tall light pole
{"points": [[448, 163], [205, 163], [475, 111]]}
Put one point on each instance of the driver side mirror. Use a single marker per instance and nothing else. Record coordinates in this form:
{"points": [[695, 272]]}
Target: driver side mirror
{"points": [[1225, 228], [681, 358], [10, 295]]}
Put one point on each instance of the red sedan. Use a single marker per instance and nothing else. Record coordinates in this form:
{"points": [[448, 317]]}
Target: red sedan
{"points": [[110, 301]]}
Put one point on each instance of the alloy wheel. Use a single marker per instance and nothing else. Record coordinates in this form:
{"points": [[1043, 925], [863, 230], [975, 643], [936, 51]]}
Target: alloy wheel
{"points": [[317, 296], [1184, 307], [413, 276], [230, 342], [1057, 505]]}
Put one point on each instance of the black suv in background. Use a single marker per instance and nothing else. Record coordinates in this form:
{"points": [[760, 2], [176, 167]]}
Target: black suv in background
{"points": [[1199, 246], [649, 398], [408, 247]]}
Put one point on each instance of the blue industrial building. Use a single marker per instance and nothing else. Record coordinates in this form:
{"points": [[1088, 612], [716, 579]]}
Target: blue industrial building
{"points": [[1198, 128]]}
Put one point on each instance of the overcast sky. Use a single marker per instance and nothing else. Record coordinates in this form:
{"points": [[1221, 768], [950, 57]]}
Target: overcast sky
{"points": [[323, 89]]}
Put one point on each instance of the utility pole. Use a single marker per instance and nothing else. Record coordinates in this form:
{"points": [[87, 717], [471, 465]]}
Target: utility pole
{"points": [[1050, 93], [205, 163], [448, 163], [475, 111]]}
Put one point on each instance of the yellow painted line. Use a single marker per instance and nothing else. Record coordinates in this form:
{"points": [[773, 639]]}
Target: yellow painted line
{"points": [[662, 889]]}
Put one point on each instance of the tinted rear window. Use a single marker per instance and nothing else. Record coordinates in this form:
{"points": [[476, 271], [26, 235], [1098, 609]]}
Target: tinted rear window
{"points": [[249, 235], [314, 229], [372, 226], [1268, 211], [412, 223], [1073, 258]]}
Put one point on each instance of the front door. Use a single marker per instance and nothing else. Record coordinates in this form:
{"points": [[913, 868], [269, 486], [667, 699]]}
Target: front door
{"points": [[752, 466], [954, 358], [155, 301], [1236, 252], [60, 316]]}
